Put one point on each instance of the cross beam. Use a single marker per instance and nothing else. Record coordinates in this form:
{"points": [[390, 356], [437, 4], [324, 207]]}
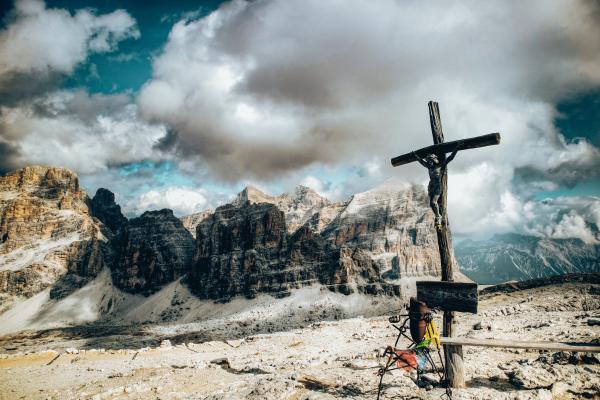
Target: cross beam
{"points": [[448, 147], [436, 163]]}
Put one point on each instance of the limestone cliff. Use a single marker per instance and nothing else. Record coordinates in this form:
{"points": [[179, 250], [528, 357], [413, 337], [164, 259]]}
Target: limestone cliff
{"points": [[46, 232], [190, 222], [150, 251], [53, 236], [297, 207], [240, 249], [262, 243], [393, 225]]}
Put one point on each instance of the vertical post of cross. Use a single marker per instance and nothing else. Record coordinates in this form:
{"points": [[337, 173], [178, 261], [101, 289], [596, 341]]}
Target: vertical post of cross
{"points": [[435, 160], [452, 354]]}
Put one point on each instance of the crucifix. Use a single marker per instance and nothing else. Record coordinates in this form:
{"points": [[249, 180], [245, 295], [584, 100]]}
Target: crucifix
{"points": [[435, 160]]}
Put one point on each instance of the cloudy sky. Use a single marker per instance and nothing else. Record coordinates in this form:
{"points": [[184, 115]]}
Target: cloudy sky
{"points": [[172, 104]]}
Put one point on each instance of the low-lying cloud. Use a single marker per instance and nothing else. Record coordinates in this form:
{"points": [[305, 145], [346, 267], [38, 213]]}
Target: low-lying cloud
{"points": [[73, 129], [182, 200]]}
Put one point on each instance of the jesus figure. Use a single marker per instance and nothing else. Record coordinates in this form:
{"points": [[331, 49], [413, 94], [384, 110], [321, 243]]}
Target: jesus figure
{"points": [[435, 168]]}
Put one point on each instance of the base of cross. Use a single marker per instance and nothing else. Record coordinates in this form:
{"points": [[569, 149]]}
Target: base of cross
{"points": [[450, 297], [463, 297], [418, 328]]}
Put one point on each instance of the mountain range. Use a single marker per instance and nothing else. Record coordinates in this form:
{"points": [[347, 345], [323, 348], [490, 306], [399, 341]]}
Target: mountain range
{"points": [[55, 240], [64, 255], [512, 256]]}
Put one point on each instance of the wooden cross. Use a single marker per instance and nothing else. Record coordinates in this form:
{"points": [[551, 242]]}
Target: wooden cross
{"points": [[438, 192]]}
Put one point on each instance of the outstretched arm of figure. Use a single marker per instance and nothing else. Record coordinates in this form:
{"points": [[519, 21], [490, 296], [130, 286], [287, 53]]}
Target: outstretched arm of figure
{"points": [[451, 157], [420, 160]]}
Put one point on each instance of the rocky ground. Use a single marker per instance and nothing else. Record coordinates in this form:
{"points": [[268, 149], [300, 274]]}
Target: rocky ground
{"points": [[325, 360]]}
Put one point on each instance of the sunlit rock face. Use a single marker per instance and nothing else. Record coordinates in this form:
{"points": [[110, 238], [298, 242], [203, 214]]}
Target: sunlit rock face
{"points": [[262, 243], [150, 251], [46, 232], [297, 207], [104, 208], [190, 222], [394, 226]]}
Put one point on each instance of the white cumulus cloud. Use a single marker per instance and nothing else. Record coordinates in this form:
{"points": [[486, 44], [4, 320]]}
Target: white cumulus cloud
{"points": [[43, 40], [42, 124], [261, 89], [83, 132], [182, 200]]}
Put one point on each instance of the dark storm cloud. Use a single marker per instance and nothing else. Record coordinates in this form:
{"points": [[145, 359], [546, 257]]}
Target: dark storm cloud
{"points": [[566, 174], [9, 153], [249, 87], [17, 86], [167, 142], [320, 57]]}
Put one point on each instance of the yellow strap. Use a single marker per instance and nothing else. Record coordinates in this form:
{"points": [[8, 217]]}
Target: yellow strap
{"points": [[432, 334]]}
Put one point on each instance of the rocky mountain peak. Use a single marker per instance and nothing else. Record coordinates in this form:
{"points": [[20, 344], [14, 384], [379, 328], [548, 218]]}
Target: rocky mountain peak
{"points": [[191, 221], [513, 256], [298, 206], [47, 236], [105, 196], [253, 195], [105, 208], [39, 176], [282, 242], [308, 197], [46, 183], [257, 243]]}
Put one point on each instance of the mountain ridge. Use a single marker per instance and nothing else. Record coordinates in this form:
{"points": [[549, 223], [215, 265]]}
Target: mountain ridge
{"points": [[255, 244], [513, 256], [58, 243]]}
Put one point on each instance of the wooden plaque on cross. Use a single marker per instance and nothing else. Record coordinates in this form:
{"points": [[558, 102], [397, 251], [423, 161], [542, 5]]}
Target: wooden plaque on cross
{"points": [[449, 296]]}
